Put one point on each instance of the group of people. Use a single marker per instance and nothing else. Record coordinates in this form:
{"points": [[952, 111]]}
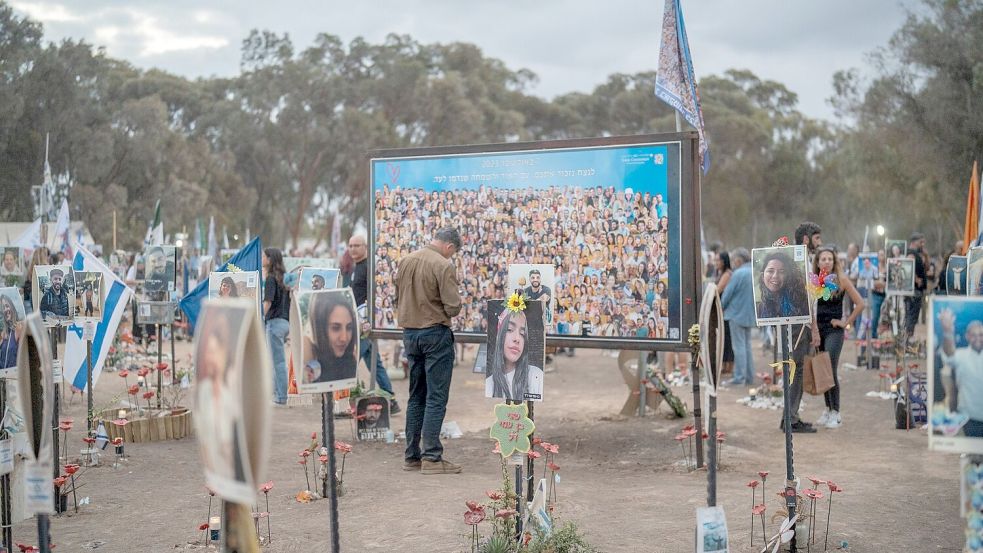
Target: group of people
{"points": [[610, 250]]}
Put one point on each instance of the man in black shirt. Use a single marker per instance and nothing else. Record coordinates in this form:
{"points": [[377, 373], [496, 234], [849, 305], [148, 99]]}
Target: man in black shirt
{"points": [[537, 291], [54, 302], [358, 249], [913, 304]]}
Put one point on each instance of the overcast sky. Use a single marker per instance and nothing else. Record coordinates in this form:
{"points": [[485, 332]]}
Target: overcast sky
{"points": [[572, 45]]}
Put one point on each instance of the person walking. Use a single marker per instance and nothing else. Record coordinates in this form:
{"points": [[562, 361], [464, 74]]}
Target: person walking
{"points": [[832, 326], [427, 298], [724, 273], [738, 305], [913, 304], [358, 276], [276, 315]]}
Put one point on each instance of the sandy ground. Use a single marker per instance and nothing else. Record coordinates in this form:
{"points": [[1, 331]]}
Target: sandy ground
{"points": [[622, 482]]}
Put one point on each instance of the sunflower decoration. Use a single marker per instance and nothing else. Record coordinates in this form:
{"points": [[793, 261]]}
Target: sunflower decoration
{"points": [[516, 302]]}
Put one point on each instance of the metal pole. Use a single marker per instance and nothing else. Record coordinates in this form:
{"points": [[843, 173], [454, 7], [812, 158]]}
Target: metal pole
{"points": [[790, 491], [160, 359], [373, 361], [641, 384], [5, 506], [530, 468], [694, 374], [44, 534], [56, 404], [88, 387], [327, 414], [173, 358], [712, 451]]}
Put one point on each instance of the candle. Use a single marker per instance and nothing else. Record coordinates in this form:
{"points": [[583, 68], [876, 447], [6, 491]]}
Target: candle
{"points": [[753, 392], [121, 414], [140, 381], [214, 525]]}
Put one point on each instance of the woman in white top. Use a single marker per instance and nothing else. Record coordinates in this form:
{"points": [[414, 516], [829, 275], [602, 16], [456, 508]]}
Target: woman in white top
{"points": [[510, 376]]}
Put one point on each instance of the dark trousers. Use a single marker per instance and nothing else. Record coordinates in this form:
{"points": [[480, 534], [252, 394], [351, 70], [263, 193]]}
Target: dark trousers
{"points": [[913, 306], [973, 429], [803, 334], [831, 341], [430, 352]]}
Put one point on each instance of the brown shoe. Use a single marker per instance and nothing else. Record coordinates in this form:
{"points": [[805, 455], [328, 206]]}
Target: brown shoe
{"points": [[439, 467], [411, 465]]}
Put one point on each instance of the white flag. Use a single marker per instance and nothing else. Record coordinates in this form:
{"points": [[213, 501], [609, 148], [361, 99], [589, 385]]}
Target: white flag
{"points": [[60, 241]]}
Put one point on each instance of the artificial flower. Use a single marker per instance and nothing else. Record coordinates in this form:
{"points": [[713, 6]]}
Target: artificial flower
{"points": [[265, 488], [505, 513], [343, 447], [474, 517], [495, 495], [758, 509], [516, 303]]}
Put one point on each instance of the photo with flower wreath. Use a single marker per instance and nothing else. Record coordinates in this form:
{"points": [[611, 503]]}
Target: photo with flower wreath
{"points": [[516, 349]]}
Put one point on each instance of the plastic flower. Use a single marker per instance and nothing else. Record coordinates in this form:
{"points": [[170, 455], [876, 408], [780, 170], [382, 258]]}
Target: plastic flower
{"points": [[833, 487], [71, 468], [89, 440], [64, 426], [265, 488], [815, 481], [552, 448], [323, 458], [124, 373], [143, 371], [161, 366], [313, 435], [537, 440], [133, 390], [120, 422], [473, 505], [553, 466], [534, 454], [304, 453], [813, 494], [474, 516], [753, 484], [148, 395], [495, 495], [758, 509], [505, 513], [60, 481], [343, 447], [515, 303], [203, 526], [763, 473]]}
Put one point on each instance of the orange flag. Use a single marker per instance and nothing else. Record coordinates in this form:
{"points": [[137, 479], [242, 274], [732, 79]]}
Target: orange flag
{"points": [[972, 229]]}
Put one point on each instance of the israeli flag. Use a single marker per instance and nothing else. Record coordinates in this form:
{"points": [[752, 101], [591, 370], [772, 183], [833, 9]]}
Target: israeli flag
{"points": [[102, 438], [117, 297]]}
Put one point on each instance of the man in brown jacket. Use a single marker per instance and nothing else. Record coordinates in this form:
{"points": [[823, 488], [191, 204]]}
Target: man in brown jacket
{"points": [[427, 299]]}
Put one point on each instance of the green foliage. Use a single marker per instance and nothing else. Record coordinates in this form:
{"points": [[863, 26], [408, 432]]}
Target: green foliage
{"points": [[564, 539]]}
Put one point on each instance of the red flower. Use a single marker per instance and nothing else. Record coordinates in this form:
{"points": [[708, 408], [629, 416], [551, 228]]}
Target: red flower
{"points": [[143, 371], [302, 461], [27, 548], [71, 469], [117, 441], [680, 437], [64, 426], [705, 435], [203, 526], [815, 481], [813, 494], [497, 449], [133, 390], [763, 473], [60, 481], [161, 366], [120, 422], [721, 439], [534, 454], [265, 488], [148, 395], [758, 509], [210, 491], [753, 484], [553, 466], [343, 447], [526, 538], [495, 495], [537, 440], [473, 505], [123, 373], [552, 448], [304, 453], [474, 517], [833, 487], [89, 440], [313, 435], [505, 513], [323, 458], [688, 427]]}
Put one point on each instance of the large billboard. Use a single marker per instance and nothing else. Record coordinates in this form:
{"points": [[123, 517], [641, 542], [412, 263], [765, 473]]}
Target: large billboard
{"points": [[615, 217]]}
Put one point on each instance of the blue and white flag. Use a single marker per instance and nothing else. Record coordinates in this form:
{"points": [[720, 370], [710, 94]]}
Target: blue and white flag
{"points": [[249, 258], [675, 82], [117, 297]]}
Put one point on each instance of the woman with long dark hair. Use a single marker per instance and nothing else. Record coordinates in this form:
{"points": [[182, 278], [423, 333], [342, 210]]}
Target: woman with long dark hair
{"points": [[276, 315], [334, 337], [510, 374], [227, 288], [10, 330], [724, 272], [783, 288]]}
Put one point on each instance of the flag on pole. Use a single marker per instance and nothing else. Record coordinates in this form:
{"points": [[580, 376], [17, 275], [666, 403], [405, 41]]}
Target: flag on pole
{"points": [[117, 297], [971, 231], [335, 234], [155, 232], [225, 238], [30, 239], [60, 241], [212, 241], [249, 258], [675, 82]]}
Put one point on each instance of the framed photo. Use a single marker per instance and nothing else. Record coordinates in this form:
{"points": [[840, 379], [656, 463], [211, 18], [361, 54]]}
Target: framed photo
{"points": [[516, 352], [868, 268], [89, 298], [587, 207], [160, 269], [537, 283], [11, 266], [974, 271], [711, 530], [313, 279], [373, 418], [901, 276], [54, 293], [155, 312], [955, 374], [244, 284], [11, 327], [219, 345], [780, 293], [956, 276], [896, 248], [293, 263], [325, 338]]}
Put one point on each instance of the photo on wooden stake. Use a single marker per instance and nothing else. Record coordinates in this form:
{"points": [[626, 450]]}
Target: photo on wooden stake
{"points": [[11, 327], [516, 351], [974, 272], [313, 279], [54, 293], [373, 418], [901, 276], [711, 530], [956, 276], [896, 248], [868, 268], [537, 282], [11, 266], [243, 284], [955, 374], [36, 396], [89, 297], [160, 269], [780, 293], [325, 337]]}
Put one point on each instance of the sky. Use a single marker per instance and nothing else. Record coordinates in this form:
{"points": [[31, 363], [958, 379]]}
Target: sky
{"points": [[572, 46]]}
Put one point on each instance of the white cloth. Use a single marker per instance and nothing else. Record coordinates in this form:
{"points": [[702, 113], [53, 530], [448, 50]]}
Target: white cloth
{"points": [[968, 366]]}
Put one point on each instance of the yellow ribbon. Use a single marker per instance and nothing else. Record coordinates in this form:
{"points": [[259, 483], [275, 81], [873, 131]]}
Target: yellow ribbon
{"points": [[791, 368]]}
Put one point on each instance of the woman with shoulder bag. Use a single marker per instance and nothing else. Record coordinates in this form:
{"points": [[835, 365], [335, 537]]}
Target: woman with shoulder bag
{"points": [[829, 319]]}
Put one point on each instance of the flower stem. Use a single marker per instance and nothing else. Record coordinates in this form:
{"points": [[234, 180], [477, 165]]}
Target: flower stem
{"points": [[828, 511]]}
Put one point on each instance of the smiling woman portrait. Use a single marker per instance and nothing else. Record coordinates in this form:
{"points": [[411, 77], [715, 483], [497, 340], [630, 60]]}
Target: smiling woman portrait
{"points": [[516, 341]]}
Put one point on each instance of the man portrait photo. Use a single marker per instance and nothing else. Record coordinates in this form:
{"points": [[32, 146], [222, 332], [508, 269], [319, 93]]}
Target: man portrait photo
{"points": [[373, 418], [317, 282], [159, 269], [962, 373], [55, 302]]}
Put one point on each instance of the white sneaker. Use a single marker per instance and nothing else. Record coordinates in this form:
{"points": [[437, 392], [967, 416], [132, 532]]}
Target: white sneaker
{"points": [[834, 420], [824, 418]]}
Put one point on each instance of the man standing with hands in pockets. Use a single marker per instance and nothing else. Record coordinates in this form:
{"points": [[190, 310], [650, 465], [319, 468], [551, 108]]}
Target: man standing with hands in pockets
{"points": [[427, 299]]}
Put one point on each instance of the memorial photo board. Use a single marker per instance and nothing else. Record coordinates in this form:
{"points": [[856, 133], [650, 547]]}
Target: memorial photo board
{"points": [[901, 276], [160, 269], [36, 396], [89, 298], [516, 352], [294, 263], [896, 248], [372, 414], [974, 271], [11, 327], [54, 294], [313, 279], [324, 331], [607, 214], [956, 276], [243, 284], [779, 275], [537, 282], [868, 269], [12, 267], [955, 374]]}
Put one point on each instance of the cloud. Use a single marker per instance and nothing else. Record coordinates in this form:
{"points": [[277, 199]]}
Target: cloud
{"points": [[46, 12]]}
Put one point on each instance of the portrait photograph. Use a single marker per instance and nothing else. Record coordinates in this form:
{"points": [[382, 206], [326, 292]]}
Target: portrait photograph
{"points": [[313, 279], [372, 414], [537, 283], [293, 263], [868, 268], [901, 276], [956, 276], [780, 294], [974, 272], [243, 284], [219, 416], [160, 266], [516, 352], [88, 295], [54, 293], [896, 248], [11, 326], [955, 374], [327, 346], [11, 266]]}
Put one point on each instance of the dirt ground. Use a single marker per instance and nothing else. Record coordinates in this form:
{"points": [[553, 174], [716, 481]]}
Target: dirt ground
{"points": [[621, 478]]}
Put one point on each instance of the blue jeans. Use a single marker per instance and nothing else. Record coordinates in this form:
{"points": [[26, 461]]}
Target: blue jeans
{"points": [[381, 376], [740, 339], [430, 352], [877, 300], [276, 333]]}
